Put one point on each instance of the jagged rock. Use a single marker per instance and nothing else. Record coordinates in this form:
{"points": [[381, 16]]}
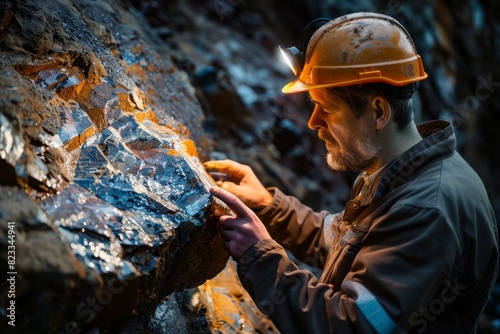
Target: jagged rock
{"points": [[140, 257], [114, 183], [50, 281], [219, 305], [76, 128], [101, 103], [28, 127]]}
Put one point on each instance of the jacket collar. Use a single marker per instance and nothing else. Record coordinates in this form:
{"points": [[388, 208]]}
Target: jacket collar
{"points": [[438, 142]]}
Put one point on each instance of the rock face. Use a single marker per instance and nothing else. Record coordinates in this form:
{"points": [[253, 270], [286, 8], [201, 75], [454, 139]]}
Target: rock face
{"points": [[115, 213]]}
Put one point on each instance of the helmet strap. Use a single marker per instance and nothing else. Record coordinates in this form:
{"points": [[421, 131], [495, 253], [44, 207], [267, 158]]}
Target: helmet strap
{"points": [[309, 30]]}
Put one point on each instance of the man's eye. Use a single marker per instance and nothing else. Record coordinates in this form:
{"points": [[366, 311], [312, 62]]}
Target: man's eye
{"points": [[329, 110]]}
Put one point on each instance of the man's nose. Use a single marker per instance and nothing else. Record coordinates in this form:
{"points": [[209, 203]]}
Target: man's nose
{"points": [[314, 122]]}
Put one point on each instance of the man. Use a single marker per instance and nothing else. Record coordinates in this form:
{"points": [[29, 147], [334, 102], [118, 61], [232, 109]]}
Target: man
{"points": [[416, 247]]}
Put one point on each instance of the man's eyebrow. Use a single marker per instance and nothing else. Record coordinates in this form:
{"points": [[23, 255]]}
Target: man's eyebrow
{"points": [[314, 101]]}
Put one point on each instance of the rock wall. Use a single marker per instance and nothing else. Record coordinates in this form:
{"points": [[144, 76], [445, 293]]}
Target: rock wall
{"points": [[100, 178]]}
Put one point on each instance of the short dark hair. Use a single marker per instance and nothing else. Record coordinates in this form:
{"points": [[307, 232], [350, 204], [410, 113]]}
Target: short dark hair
{"points": [[357, 96]]}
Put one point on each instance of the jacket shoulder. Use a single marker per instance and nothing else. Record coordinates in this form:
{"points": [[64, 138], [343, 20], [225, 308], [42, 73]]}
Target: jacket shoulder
{"points": [[450, 181]]}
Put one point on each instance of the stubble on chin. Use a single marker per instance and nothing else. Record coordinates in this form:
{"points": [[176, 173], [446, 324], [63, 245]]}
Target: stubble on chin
{"points": [[329, 161], [337, 164], [358, 159]]}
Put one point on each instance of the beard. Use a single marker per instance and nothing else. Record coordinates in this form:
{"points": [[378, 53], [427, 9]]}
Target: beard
{"points": [[355, 156]]}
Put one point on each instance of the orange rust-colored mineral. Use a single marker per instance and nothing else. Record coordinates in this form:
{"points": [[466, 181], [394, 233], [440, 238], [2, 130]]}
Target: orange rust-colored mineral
{"points": [[78, 141], [137, 71], [126, 102], [73, 84], [148, 114], [190, 147], [31, 70]]}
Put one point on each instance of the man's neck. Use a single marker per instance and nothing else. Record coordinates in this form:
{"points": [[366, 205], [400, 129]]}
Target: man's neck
{"points": [[394, 144]]}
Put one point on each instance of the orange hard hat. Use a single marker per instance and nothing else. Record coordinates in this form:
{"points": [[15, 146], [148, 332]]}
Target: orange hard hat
{"points": [[358, 48]]}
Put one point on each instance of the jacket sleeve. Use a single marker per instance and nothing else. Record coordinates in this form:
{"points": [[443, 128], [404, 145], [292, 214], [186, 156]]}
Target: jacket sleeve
{"points": [[305, 233], [405, 262]]}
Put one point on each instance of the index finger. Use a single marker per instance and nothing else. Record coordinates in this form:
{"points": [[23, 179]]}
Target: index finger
{"points": [[233, 202]]}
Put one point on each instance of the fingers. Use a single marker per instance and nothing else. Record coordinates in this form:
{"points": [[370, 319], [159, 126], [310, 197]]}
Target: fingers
{"points": [[226, 234], [220, 164], [234, 169], [237, 238], [240, 232], [229, 223], [232, 202], [229, 186]]}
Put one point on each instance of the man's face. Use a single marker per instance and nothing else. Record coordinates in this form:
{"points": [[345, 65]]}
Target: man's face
{"points": [[351, 142]]}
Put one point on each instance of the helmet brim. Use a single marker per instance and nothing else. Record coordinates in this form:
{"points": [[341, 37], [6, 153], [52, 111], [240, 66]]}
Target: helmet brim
{"points": [[298, 86]]}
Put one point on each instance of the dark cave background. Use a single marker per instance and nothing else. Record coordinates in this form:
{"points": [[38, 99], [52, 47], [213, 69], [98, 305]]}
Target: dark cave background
{"points": [[459, 42]]}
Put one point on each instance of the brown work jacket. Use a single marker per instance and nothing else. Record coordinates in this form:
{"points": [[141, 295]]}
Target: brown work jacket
{"points": [[423, 260]]}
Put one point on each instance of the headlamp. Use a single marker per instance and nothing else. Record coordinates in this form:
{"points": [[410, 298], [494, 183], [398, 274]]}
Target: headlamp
{"points": [[294, 57]]}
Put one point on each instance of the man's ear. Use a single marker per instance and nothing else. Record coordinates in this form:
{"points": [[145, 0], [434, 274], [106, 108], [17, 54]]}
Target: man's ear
{"points": [[381, 111]]}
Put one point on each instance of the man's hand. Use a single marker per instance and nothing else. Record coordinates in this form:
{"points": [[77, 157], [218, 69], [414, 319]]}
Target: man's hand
{"points": [[244, 184], [242, 231]]}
